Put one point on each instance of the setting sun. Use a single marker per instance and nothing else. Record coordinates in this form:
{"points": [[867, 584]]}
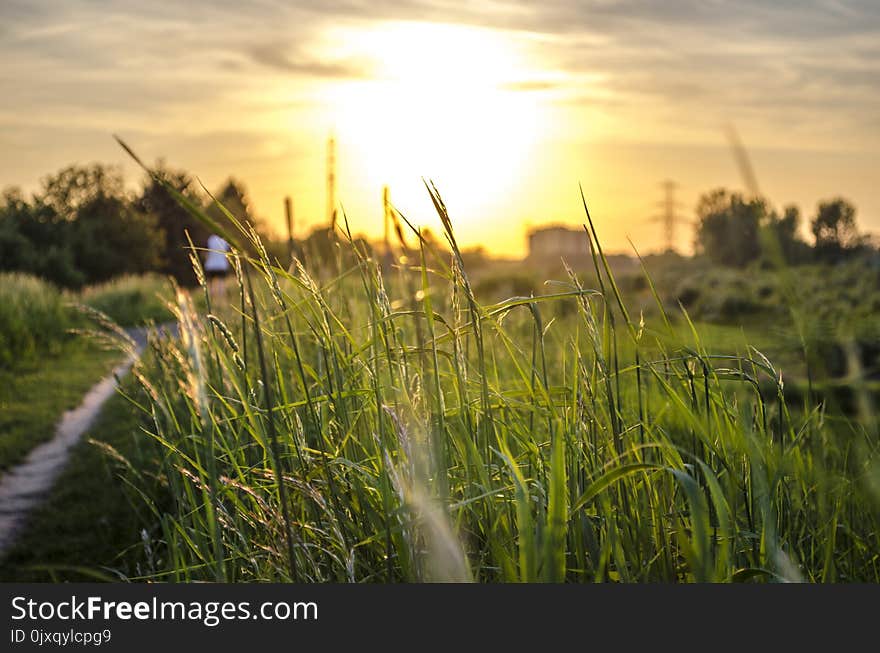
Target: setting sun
{"points": [[442, 102]]}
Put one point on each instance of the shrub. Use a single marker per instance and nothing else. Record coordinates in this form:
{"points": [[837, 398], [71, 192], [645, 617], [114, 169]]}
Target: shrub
{"points": [[33, 317]]}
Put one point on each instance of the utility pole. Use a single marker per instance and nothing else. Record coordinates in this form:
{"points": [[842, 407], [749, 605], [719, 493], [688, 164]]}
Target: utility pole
{"points": [[288, 214], [331, 183]]}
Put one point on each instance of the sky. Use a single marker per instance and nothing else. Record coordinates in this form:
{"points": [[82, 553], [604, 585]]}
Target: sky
{"points": [[505, 105]]}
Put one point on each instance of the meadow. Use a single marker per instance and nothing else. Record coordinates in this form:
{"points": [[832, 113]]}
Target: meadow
{"points": [[367, 422], [354, 417]]}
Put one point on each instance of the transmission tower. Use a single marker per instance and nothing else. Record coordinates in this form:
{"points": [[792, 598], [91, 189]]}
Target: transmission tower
{"points": [[669, 216], [331, 183]]}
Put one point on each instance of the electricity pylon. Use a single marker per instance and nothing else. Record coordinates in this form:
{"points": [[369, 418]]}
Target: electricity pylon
{"points": [[669, 216]]}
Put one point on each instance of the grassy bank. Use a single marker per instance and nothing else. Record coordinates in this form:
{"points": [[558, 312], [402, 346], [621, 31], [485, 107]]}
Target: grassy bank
{"points": [[37, 319], [47, 364], [36, 393]]}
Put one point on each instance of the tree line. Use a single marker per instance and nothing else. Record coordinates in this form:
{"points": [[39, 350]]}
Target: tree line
{"points": [[735, 231], [82, 226]]}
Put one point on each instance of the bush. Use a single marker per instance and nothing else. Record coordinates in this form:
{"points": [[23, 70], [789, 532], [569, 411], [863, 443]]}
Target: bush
{"points": [[81, 227], [33, 318]]}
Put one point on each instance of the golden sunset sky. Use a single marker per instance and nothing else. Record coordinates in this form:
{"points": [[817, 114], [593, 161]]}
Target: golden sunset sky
{"points": [[505, 105]]}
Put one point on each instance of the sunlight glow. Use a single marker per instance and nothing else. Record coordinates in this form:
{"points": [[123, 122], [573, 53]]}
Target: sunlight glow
{"points": [[441, 103]]}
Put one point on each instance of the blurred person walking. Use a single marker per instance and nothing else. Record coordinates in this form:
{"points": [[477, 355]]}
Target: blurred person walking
{"points": [[217, 266]]}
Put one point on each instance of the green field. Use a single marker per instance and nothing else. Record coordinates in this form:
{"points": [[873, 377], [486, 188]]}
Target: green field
{"points": [[366, 422], [373, 426]]}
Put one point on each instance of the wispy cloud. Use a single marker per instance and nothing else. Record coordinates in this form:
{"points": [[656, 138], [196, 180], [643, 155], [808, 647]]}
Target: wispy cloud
{"points": [[276, 56], [747, 57]]}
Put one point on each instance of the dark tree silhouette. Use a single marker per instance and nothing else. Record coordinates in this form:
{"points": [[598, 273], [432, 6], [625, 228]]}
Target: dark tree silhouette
{"points": [[110, 238], [781, 242], [728, 228], [174, 221], [834, 229], [79, 228], [233, 196]]}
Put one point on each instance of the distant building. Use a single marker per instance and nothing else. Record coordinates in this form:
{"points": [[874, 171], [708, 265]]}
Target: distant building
{"points": [[557, 241], [554, 242]]}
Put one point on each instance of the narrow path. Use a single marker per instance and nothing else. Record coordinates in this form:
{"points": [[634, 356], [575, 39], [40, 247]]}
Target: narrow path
{"points": [[24, 486]]}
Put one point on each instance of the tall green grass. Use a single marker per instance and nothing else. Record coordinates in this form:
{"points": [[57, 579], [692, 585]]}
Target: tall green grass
{"points": [[33, 318], [37, 318], [359, 423]]}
